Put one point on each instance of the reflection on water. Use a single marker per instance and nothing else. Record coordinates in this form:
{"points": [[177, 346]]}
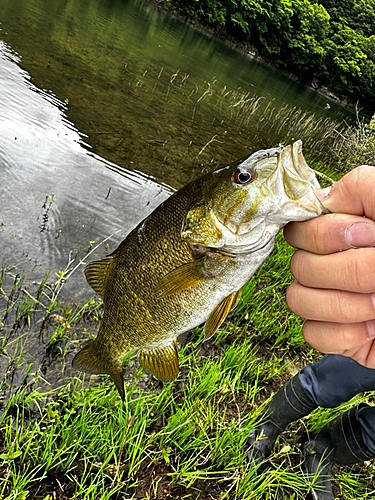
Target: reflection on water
{"points": [[147, 90], [41, 153], [148, 94]]}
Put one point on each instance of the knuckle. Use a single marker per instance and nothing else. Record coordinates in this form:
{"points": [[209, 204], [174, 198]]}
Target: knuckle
{"points": [[362, 173], [348, 336], [317, 236], [359, 270], [341, 308], [298, 264], [293, 265], [356, 178], [333, 337], [354, 272], [308, 333]]}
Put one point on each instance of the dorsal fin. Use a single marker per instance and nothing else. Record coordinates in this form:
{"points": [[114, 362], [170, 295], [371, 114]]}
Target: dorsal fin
{"points": [[97, 273], [161, 361]]}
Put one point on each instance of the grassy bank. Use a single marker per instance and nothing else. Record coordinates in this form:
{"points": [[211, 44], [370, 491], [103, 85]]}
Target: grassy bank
{"points": [[64, 435], [74, 439]]}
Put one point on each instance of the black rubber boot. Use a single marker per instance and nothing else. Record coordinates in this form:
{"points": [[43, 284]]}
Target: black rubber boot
{"points": [[338, 442], [289, 404]]}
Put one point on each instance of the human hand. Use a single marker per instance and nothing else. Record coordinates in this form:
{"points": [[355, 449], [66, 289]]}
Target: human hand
{"points": [[335, 270]]}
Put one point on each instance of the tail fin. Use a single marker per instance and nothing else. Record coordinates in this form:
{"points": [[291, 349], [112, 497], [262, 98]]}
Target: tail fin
{"points": [[89, 360]]}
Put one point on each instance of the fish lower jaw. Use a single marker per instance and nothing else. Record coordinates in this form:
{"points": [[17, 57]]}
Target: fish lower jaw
{"points": [[305, 208]]}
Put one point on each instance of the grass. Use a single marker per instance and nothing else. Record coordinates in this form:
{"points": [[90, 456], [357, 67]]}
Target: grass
{"points": [[64, 435], [76, 440], [356, 145]]}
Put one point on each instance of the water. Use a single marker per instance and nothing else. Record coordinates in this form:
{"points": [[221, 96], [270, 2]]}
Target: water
{"points": [[106, 106], [42, 154], [114, 102]]}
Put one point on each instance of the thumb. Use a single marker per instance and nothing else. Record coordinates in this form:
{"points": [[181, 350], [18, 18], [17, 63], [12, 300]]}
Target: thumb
{"points": [[352, 194]]}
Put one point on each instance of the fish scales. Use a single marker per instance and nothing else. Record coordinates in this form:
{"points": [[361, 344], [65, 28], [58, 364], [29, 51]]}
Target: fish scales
{"points": [[186, 262]]}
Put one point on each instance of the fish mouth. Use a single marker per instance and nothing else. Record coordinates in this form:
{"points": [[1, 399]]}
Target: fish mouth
{"points": [[311, 203], [298, 180], [301, 167], [307, 173]]}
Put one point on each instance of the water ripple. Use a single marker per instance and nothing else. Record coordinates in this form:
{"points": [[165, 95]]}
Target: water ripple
{"points": [[42, 153]]}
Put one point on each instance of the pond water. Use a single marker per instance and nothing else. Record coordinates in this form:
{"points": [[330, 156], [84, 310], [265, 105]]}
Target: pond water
{"points": [[106, 107]]}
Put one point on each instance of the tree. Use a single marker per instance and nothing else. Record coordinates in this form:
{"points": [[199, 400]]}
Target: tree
{"points": [[306, 48]]}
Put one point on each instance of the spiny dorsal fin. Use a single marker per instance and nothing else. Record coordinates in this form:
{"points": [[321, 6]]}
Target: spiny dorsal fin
{"points": [[180, 279], [89, 360], [161, 361], [97, 273], [219, 314]]}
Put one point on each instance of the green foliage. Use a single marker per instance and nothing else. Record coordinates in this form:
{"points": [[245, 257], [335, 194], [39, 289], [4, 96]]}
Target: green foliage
{"points": [[328, 43], [357, 146], [306, 46]]}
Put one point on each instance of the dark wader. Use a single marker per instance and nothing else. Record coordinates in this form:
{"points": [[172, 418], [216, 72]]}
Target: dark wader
{"points": [[347, 439], [336, 379]]}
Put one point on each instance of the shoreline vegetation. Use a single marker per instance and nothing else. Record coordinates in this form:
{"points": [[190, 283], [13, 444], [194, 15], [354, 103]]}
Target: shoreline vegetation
{"points": [[327, 45], [66, 436]]}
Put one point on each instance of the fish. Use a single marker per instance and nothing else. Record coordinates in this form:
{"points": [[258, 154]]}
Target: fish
{"points": [[186, 263]]}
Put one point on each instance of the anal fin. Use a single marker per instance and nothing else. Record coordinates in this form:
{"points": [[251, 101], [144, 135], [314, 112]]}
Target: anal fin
{"points": [[236, 299], [161, 361]]}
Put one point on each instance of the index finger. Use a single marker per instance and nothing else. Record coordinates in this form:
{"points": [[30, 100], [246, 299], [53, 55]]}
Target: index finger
{"points": [[354, 193], [354, 197], [331, 233]]}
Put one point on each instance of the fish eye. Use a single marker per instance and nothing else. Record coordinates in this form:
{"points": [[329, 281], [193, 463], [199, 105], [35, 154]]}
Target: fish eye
{"points": [[241, 177]]}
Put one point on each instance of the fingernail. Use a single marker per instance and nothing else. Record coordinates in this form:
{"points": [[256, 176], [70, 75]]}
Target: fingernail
{"points": [[370, 329], [360, 234], [322, 194]]}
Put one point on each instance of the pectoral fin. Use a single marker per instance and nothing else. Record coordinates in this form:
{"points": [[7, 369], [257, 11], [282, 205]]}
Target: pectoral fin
{"points": [[89, 360], [192, 273], [180, 279], [218, 315], [161, 361]]}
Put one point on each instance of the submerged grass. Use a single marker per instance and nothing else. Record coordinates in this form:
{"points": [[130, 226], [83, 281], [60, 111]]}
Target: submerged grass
{"points": [[182, 440]]}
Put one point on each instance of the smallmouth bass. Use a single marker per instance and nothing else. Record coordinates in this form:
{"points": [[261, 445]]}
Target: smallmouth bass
{"points": [[185, 264]]}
